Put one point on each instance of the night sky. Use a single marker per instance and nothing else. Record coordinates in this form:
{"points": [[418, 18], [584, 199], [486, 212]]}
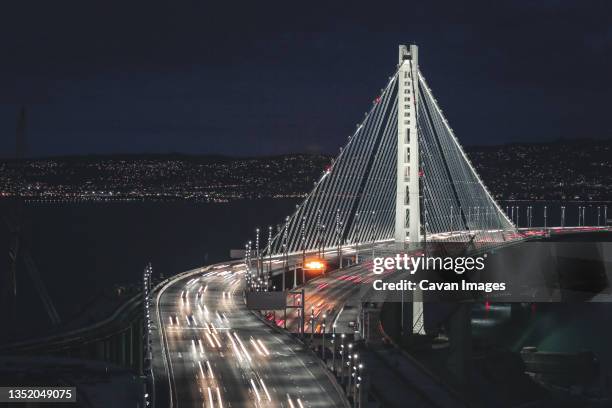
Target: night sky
{"points": [[266, 77]]}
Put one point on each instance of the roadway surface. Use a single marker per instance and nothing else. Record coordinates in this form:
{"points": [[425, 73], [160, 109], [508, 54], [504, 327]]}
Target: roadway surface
{"points": [[218, 354], [338, 295], [335, 298]]}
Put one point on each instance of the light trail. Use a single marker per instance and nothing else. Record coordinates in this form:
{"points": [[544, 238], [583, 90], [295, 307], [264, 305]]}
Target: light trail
{"points": [[216, 340], [244, 350], [236, 350], [261, 353], [212, 375], [263, 347], [263, 385], [255, 389], [201, 369], [210, 340], [219, 398], [210, 398]]}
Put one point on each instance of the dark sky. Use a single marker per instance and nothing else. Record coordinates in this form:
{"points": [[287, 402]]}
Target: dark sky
{"points": [[267, 77]]}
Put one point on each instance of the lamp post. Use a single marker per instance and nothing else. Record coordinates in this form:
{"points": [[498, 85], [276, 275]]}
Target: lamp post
{"points": [[333, 340], [353, 389], [338, 238], [147, 317], [342, 359], [562, 216], [300, 314], [348, 362], [285, 253], [598, 215], [529, 216], [246, 263], [323, 242], [257, 249], [303, 250], [357, 397], [348, 366], [356, 237], [354, 374], [312, 328], [323, 341], [267, 277], [319, 233]]}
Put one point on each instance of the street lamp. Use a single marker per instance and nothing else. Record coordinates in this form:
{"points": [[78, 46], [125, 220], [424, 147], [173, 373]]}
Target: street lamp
{"points": [[342, 359], [257, 248], [354, 374], [334, 348], [323, 343], [303, 250], [356, 237], [563, 216], [312, 328], [269, 273], [338, 237], [357, 396], [598, 215], [348, 367]]}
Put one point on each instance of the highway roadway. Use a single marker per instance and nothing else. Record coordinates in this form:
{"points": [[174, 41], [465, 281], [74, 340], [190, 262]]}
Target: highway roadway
{"points": [[338, 294], [335, 297], [218, 354]]}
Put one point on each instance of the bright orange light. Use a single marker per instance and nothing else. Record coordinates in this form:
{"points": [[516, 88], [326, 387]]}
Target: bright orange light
{"points": [[315, 265]]}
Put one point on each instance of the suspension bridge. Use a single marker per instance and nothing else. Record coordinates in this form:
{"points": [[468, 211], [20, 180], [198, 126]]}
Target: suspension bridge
{"points": [[402, 177], [401, 180]]}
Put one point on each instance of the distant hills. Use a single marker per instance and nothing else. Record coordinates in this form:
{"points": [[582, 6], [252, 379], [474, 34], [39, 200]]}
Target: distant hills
{"points": [[561, 170]]}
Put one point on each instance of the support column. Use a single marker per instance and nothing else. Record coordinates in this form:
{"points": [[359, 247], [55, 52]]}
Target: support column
{"points": [[407, 203], [460, 350], [407, 206]]}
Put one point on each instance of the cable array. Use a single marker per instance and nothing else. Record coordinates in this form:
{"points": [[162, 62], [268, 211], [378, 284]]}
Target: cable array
{"points": [[354, 200]]}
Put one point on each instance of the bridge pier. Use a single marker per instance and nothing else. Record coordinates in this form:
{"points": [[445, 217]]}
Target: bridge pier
{"points": [[460, 344]]}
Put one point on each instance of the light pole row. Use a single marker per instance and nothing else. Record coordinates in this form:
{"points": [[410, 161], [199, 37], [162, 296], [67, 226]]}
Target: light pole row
{"points": [[147, 348], [513, 212]]}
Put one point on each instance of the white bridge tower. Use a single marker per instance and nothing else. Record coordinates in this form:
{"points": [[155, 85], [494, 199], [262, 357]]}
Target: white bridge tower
{"points": [[407, 205], [407, 199]]}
